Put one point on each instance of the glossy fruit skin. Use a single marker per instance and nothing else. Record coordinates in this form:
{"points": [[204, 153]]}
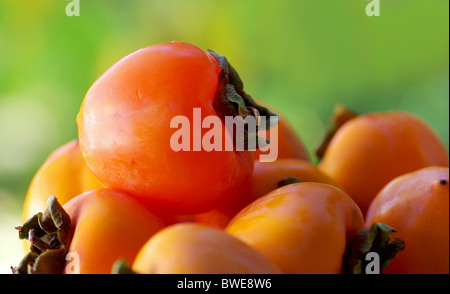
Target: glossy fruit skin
{"points": [[372, 149], [109, 225], [417, 205], [198, 249], [63, 174], [303, 227], [265, 178], [124, 130]]}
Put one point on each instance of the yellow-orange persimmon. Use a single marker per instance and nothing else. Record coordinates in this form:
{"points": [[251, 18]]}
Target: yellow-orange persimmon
{"points": [[198, 249], [417, 206], [108, 225], [302, 227], [370, 150]]}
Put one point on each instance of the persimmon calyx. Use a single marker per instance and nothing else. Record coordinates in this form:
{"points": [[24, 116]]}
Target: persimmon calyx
{"points": [[341, 115], [231, 100], [50, 236], [376, 238]]}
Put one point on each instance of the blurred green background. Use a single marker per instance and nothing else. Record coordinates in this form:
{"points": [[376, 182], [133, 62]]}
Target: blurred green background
{"points": [[300, 56]]}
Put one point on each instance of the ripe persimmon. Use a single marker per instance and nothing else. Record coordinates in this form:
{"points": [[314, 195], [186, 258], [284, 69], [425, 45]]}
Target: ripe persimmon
{"points": [[266, 178], [98, 227], [370, 150], [416, 204], [302, 227], [124, 126], [198, 249]]}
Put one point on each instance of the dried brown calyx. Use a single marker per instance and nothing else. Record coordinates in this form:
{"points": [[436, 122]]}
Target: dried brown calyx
{"points": [[50, 235], [231, 100]]}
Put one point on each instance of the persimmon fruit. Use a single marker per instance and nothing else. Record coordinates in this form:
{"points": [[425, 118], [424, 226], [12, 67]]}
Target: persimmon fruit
{"points": [[198, 249], [416, 204], [302, 227], [124, 127], [98, 226], [370, 150]]}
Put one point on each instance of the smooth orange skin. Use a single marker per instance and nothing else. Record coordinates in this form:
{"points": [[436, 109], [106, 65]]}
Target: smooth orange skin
{"points": [[63, 174], [198, 249], [370, 150], [417, 206], [124, 130], [289, 143], [108, 225], [303, 228], [265, 178]]}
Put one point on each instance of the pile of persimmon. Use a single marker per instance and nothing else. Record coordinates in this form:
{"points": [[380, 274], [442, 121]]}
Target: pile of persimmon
{"points": [[119, 199]]}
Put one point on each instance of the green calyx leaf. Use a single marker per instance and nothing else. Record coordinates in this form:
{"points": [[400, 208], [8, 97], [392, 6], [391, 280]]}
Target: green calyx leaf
{"points": [[376, 238], [50, 235], [231, 100]]}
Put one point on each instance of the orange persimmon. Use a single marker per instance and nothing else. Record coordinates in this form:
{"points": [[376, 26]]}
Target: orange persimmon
{"points": [[126, 126], [302, 227], [198, 249], [370, 150], [95, 229], [417, 206]]}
